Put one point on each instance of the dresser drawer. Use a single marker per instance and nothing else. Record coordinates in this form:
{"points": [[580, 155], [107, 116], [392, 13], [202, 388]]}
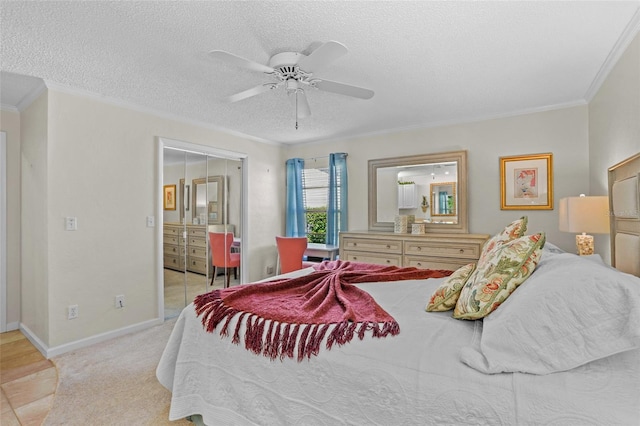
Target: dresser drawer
{"points": [[173, 262], [193, 231], [377, 258], [173, 250], [198, 252], [172, 230], [197, 265], [197, 242], [371, 245], [442, 249], [175, 240], [449, 264]]}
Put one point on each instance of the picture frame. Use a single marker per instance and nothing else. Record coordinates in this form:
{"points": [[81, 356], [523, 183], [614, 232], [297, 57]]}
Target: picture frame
{"points": [[169, 197], [526, 182]]}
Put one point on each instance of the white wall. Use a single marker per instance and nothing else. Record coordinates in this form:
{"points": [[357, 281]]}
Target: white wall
{"points": [[10, 123], [562, 132], [34, 230], [101, 168], [614, 125]]}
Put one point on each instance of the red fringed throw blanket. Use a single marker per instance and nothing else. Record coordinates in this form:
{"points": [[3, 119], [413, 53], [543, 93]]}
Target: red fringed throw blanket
{"points": [[301, 310]]}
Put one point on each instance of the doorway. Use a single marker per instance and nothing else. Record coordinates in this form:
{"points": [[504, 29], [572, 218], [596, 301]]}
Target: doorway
{"points": [[202, 191]]}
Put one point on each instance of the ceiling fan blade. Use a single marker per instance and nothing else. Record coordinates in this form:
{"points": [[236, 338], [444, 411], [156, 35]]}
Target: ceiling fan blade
{"points": [[304, 110], [343, 89], [323, 56], [250, 92], [232, 59]]}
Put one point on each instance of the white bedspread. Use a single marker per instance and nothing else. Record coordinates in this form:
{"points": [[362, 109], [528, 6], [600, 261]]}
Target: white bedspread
{"points": [[413, 378]]}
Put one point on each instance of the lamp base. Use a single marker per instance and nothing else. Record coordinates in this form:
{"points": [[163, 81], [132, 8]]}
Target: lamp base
{"points": [[584, 243]]}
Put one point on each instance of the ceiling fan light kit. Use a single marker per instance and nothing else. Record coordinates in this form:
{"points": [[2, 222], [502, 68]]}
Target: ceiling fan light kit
{"points": [[294, 71]]}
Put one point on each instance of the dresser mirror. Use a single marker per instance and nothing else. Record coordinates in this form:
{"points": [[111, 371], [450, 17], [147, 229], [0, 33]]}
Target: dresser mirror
{"points": [[406, 185], [207, 200]]}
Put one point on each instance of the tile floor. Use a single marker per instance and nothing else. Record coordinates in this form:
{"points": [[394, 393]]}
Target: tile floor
{"points": [[28, 381]]}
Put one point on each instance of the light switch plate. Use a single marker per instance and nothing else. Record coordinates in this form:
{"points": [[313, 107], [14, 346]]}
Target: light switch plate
{"points": [[71, 223], [151, 221]]}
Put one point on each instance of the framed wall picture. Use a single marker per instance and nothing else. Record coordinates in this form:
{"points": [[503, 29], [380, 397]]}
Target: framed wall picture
{"points": [[526, 182], [169, 198]]}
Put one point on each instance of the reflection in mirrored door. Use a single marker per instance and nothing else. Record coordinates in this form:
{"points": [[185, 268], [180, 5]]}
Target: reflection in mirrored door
{"points": [[222, 209], [174, 254], [208, 195]]}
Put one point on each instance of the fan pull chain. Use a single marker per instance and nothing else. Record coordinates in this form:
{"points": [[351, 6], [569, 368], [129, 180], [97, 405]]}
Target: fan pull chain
{"points": [[296, 109]]}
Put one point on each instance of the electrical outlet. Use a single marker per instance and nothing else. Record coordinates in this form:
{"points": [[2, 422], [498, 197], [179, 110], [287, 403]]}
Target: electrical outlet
{"points": [[72, 312], [270, 269], [71, 223], [120, 301]]}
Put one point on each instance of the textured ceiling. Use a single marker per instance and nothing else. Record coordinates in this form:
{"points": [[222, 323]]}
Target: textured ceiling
{"points": [[429, 63]]}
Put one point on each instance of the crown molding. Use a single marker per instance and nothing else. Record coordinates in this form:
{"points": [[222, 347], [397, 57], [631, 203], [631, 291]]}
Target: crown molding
{"points": [[625, 39], [456, 122], [9, 108], [32, 96]]}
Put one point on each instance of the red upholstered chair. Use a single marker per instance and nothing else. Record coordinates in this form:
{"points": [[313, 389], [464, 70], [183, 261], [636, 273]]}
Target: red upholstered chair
{"points": [[221, 255], [291, 252]]}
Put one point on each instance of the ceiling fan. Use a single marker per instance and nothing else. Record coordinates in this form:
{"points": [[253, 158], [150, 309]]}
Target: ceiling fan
{"points": [[294, 72]]}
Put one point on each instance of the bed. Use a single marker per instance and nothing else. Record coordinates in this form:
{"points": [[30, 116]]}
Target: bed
{"points": [[564, 349]]}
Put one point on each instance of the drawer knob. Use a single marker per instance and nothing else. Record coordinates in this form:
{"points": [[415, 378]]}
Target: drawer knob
{"points": [[355, 258], [419, 248], [388, 246], [461, 250], [388, 261], [419, 264]]}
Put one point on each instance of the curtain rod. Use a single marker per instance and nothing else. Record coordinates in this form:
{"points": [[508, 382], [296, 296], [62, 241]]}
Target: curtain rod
{"points": [[323, 156]]}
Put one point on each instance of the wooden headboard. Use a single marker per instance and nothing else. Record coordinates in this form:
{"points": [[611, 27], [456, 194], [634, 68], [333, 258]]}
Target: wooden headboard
{"points": [[624, 206]]}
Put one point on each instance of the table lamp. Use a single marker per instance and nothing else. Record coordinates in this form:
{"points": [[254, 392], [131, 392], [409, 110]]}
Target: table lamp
{"points": [[584, 214]]}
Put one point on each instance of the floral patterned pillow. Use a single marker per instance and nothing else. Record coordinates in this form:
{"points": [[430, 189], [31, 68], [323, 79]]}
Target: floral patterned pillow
{"points": [[446, 296], [505, 268], [515, 229]]}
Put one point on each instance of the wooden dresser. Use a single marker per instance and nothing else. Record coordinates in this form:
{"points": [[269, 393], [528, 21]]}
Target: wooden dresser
{"points": [[174, 246], [194, 247], [425, 251]]}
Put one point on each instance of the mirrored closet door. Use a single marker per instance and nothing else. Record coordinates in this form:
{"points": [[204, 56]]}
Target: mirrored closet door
{"points": [[202, 225]]}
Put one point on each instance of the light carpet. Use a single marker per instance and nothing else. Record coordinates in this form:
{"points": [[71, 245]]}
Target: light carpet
{"points": [[114, 382]]}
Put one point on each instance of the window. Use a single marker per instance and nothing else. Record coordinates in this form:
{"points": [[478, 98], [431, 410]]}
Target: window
{"points": [[317, 195], [315, 189]]}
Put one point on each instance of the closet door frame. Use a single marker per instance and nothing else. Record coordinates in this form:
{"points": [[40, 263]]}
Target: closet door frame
{"points": [[3, 232], [204, 150]]}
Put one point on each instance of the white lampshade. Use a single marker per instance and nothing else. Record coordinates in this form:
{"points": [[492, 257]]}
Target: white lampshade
{"points": [[585, 214]]}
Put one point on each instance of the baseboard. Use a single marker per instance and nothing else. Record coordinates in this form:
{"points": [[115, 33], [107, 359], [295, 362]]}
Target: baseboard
{"points": [[88, 341], [35, 340], [13, 326]]}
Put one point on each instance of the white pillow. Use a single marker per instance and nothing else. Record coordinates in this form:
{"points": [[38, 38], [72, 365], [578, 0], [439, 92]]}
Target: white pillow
{"points": [[569, 312], [552, 248]]}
